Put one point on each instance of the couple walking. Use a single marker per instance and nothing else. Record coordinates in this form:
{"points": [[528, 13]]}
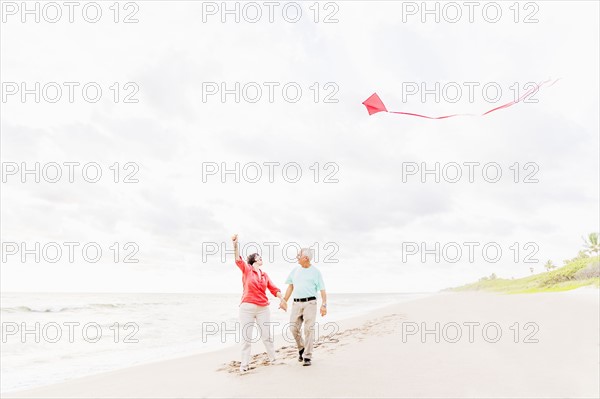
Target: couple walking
{"points": [[304, 282]]}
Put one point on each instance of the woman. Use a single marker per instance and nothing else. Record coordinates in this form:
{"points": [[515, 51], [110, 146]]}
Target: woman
{"points": [[254, 305]]}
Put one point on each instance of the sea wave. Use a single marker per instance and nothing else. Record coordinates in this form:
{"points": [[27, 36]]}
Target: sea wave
{"points": [[59, 309]]}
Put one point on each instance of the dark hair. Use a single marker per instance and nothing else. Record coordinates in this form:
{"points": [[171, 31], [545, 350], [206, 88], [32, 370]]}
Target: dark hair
{"points": [[252, 258]]}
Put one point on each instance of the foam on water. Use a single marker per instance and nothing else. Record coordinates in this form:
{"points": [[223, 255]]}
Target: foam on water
{"points": [[164, 326]]}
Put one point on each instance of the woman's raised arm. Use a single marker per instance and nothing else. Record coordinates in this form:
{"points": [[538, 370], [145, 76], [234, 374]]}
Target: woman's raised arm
{"points": [[234, 238], [239, 262]]}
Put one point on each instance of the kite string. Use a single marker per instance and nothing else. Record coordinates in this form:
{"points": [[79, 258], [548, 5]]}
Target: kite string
{"points": [[527, 93]]}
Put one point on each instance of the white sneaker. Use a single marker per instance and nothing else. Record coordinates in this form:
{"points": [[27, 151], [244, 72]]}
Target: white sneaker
{"points": [[243, 369]]}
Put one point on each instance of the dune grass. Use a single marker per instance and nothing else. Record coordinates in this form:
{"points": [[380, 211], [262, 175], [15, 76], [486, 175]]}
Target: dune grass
{"points": [[562, 279]]}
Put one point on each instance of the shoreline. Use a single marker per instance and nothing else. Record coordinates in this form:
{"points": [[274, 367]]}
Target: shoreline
{"points": [[380, 341], [222, 346]]}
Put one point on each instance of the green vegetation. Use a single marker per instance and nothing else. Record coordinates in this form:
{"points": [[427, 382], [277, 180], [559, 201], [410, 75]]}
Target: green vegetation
{"points": [[591, 244], [580, 271]]}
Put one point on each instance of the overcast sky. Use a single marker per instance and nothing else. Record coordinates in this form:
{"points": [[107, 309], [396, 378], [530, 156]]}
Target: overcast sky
{"points": [[171, 213]]}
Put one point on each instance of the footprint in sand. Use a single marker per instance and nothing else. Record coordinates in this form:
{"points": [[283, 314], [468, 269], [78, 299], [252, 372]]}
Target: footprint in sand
{"points": [[381, 326]]}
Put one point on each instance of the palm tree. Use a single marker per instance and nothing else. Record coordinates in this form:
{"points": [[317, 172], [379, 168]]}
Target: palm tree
{"points": [[591, 243], [582, 254], [549, 265]]}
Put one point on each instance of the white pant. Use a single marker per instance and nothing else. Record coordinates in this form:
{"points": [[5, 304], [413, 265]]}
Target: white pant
{"points": [[250, 312]]}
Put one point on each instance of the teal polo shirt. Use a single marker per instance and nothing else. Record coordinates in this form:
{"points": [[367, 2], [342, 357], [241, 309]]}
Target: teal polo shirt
{"points": [[307, 281]]}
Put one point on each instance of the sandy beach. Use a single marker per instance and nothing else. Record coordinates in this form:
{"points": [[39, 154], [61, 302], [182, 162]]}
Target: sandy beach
{"points": [[553, 352]]}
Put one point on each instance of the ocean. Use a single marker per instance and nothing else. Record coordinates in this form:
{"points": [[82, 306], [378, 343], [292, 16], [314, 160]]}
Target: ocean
{"points": [[52, 337]]}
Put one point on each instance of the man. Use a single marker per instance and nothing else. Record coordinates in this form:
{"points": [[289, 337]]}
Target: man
{"points": [[304, 281]]}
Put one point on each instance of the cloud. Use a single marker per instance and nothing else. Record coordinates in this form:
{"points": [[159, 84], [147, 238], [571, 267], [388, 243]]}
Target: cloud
{"points": [[370, 211]]}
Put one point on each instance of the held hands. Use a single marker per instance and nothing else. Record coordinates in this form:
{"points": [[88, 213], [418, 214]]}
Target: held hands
{"points": [[283, 305], [234, 238]]}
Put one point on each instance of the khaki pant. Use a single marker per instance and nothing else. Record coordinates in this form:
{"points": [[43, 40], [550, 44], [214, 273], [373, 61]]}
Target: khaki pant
{"points": [[304, 312], [249, 313]]}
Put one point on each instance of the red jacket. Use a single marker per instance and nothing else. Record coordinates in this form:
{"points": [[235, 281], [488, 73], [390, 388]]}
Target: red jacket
{"points": [[255, 286]]}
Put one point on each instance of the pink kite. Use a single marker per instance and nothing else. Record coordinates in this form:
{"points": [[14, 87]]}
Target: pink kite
{"points": [[375, 105]]}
